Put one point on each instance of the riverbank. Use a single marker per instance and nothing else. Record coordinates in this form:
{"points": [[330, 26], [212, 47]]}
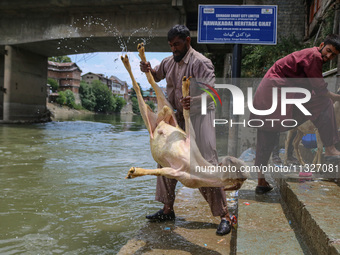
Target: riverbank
{"points": [[62, 112], [58, 111]]}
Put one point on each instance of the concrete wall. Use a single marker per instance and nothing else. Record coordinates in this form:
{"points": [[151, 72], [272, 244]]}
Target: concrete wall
{"points": [[2, 59], [290, 18], [25, 79]]}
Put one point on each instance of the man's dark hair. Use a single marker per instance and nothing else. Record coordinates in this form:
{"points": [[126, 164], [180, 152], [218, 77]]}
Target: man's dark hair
{"points": [[334, 40], [178, 30]]}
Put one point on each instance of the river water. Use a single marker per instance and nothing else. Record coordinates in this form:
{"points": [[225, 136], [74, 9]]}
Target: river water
{"points": [[63, 189]]}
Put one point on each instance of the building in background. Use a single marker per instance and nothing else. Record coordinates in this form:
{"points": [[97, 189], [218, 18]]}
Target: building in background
{"points": [[119, 87], [90, 77], [150, 95], [68, 77], [66, 74]]}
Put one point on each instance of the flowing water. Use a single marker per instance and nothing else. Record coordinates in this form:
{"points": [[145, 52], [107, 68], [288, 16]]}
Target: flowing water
{"points": [[63, 189]]}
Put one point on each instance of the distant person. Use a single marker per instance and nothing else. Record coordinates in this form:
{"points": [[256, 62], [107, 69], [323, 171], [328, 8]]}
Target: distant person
{"points": [[185, 61], [306, 65]]}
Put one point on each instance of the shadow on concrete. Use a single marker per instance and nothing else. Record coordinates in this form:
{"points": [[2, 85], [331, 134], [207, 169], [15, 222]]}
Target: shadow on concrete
{"points": [[165, 237], [193, 231]]}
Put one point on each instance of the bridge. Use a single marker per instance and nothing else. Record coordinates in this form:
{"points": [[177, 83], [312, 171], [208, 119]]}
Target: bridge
{"points": [[31, 31]]}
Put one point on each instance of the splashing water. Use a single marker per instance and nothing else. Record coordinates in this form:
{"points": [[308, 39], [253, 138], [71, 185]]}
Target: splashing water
{"points": [[86, 23]]}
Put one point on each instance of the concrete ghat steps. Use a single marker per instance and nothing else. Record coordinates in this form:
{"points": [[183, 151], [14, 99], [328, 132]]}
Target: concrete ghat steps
{"points": [[315, 206], [193, 231], [303, 219], [263, 226]]}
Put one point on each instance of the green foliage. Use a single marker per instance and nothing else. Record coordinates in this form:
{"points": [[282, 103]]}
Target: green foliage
{"points": [[133, 92], [98, 97], [77, 106], [151, 104], [257, 59], [53, 83], [218, 62], [119, 103], [133, 97], [70, 98], [67, 98], [60, 59], [135, 108], [104, 98], [88, 100], [61, 99]]}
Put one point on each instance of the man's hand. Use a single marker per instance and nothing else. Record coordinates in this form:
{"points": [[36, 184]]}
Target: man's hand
{"points": [[333, 96], [186, 102], [145, 66]]}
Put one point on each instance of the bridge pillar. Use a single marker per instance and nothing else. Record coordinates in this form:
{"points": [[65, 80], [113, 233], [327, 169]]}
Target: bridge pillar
{"points": [[2, 60], [25, 78]]}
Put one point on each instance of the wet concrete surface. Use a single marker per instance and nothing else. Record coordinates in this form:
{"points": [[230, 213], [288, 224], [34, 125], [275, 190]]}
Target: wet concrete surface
{"points": [[193, 231], [300, 216], [314, 203], [264, 227]]}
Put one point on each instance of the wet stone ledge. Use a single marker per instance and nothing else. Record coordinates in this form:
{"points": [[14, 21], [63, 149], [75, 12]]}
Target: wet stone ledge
{"points": [[193, 231], [314, 204]]}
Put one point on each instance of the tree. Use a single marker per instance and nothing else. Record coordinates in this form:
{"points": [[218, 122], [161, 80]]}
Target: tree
{"points": [[61, 99], [98, 97], [88, 100], [218, 62], [135, 107], [257, 59], [119, 103], [133, 92], [104, 98], [60, 59], [133, 97], [53, 83], [151, 104], [67, 98], [70, 98]]}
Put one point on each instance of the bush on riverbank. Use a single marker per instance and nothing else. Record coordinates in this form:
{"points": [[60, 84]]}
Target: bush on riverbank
{"points": [[53, 83], [134, 100], [95, 97], [151, 104], [135, 106], [67, 98], [98, 97]]}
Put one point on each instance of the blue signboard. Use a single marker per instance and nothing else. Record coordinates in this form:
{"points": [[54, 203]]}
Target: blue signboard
{"points": [[237, 24]]}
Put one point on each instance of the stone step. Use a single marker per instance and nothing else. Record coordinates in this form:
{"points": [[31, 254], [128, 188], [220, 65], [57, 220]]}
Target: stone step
{"points": [[303, 219], [314, 204], [263, 225], [193, 231]]}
